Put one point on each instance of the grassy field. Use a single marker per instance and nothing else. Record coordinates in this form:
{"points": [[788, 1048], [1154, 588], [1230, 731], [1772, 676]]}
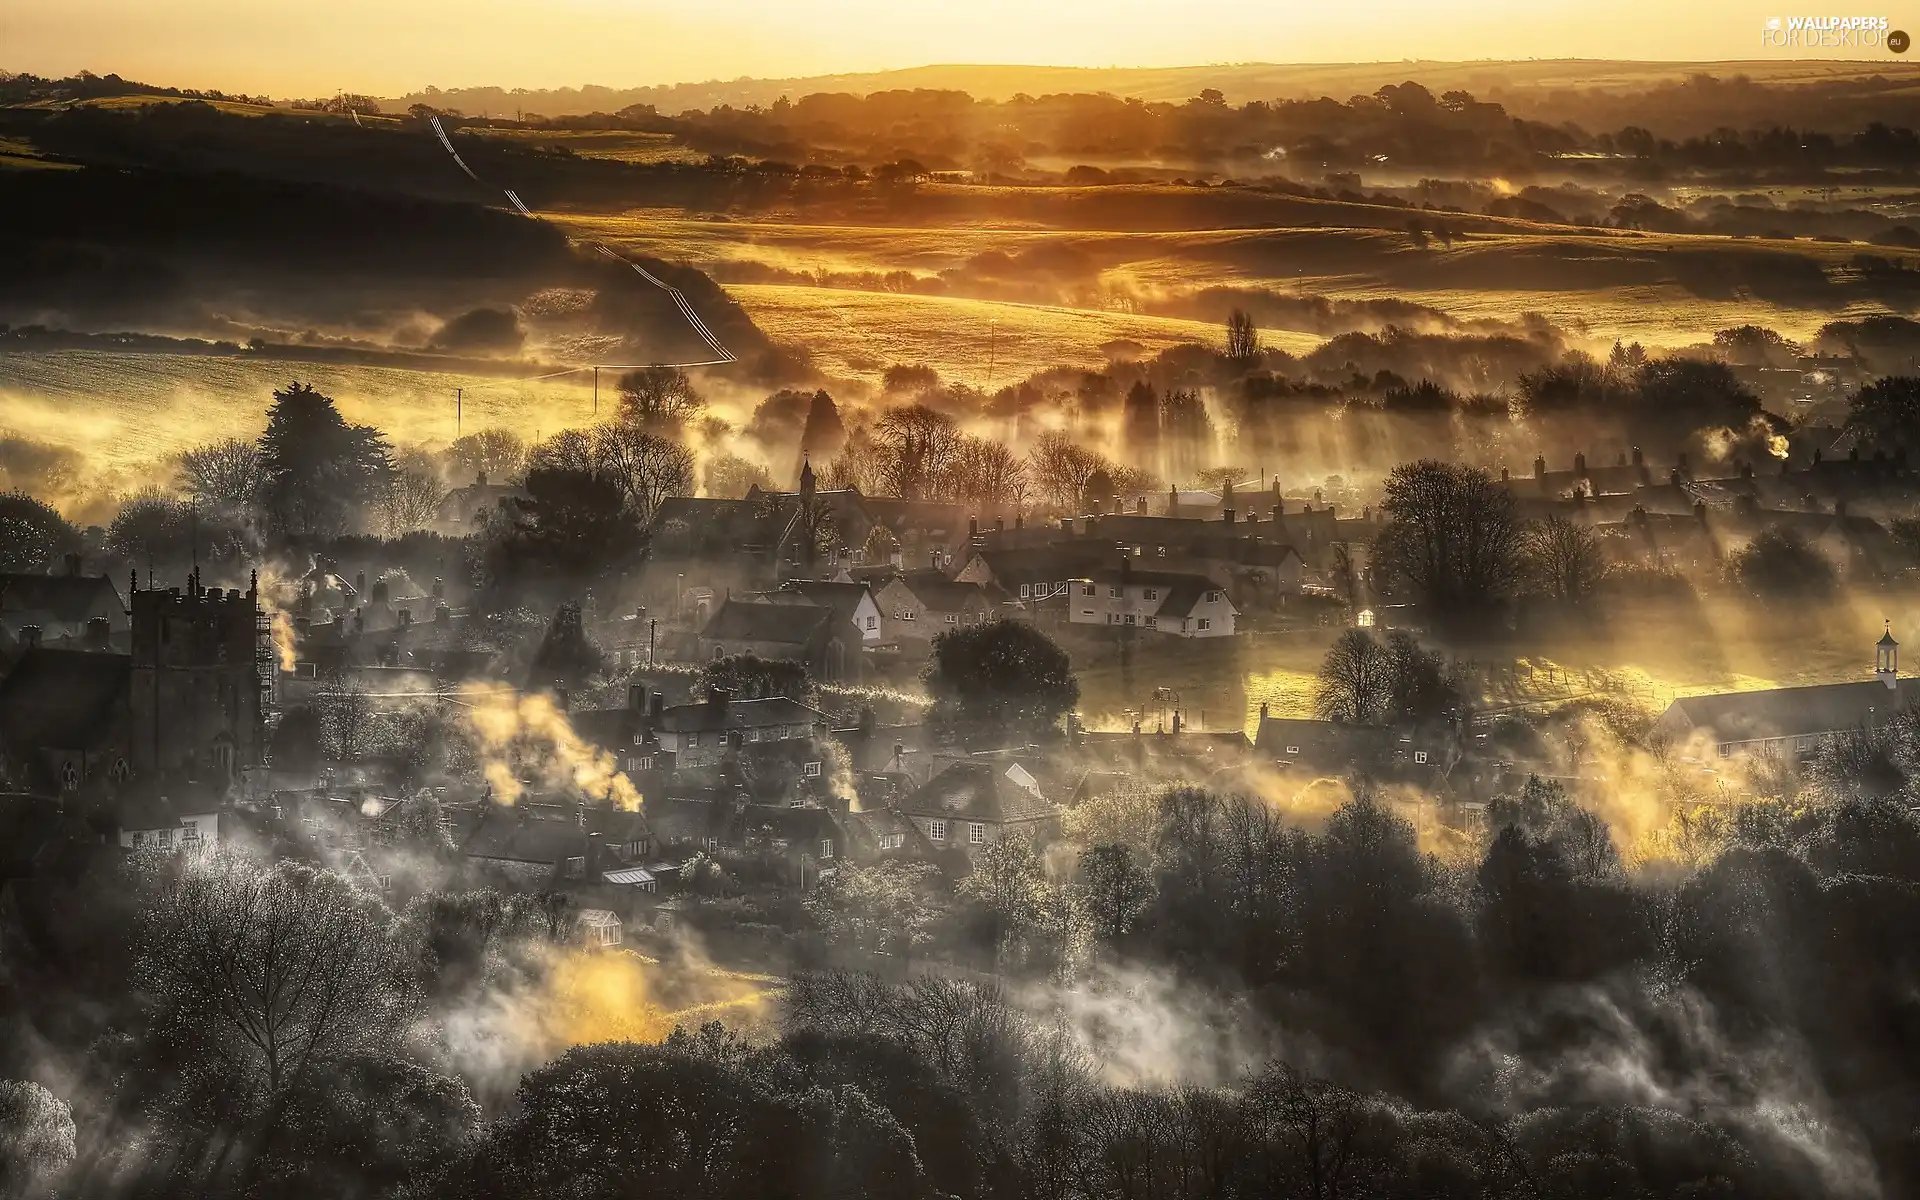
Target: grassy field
{"points": [[984, 343], [1659, 289], [130, 413], [619, 145]]}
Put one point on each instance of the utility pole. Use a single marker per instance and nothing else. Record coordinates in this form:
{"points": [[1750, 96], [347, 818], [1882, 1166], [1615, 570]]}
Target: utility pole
{"points": [[458, 402], [596, 393], [651, 623], [993, 348]]}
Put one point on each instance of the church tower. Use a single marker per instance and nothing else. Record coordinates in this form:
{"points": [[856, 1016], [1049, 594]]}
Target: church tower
{"points": [[1886, 659], [201, 678]]}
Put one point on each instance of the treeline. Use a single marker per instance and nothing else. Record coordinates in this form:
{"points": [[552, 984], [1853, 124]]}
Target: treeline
{"points": [[1254, 1010]]}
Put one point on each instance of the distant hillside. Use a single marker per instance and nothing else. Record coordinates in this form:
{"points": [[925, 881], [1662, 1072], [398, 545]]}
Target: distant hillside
{"points": [[1239, 82]]}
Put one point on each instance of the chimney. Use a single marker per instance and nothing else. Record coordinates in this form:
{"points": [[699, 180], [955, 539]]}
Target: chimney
{"points": [[656, 704], [1263, 710], [379, 594], [717, 699], [1579, 464], [637, 697], [973, 527], [73, 562], [98, 631], [442, 614], [360, 583], [1019, 522], [302, 625], [1639, 459], [1539, 466], [1673, 477], [999, 524], [439, 589], [1140, 506], [1226, 514], [1505, 475], [1840, 508], [1700, 511], [561, 700], [29, 636]]}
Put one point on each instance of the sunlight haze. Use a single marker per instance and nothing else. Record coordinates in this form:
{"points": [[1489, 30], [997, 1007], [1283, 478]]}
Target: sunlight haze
{"points": [[390, 48]]}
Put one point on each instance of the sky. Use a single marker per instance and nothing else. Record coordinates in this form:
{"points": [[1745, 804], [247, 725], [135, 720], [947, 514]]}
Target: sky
{"points": [[390, 47]]}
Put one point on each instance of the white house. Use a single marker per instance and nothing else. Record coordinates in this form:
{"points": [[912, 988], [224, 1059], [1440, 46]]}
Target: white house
{"points": [[194, 833], [1174, 603]]}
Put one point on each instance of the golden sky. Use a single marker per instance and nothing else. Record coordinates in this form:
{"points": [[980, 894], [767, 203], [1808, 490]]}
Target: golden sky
{"points": [[388, 47]]}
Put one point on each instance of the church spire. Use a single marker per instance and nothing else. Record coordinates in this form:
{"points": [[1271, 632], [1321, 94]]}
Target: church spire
{"points": [[1886, 658], [806, 478]]}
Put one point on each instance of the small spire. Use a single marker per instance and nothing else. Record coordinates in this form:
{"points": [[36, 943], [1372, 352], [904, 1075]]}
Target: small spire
{"points": [[1886, 639]]}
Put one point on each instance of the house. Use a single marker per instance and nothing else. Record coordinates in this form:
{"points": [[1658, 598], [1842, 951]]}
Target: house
{"points": [[66, 717], [974, 804], [852, 603], [798, 631], [883, 835], [1034, 575], [159, 827], [1180, 605], [1793, 721], [701, 734], [917, 606], [531, 849], [465, 508], [68, 609], [1425, 751]]}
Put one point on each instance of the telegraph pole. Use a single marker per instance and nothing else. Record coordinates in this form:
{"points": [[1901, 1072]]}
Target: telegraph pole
{"points": [[596, 393], [458, 399]]}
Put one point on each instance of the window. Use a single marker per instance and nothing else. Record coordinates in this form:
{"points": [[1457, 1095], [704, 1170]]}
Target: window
{"points": [[643, 763], [139, 838], [1151, 594], [1023, 591], [753, 735], [976, 833], [937, 830], [873, 622], [1087, 590], [1162, 551], [164, 837], [1213, 597], [1086, 612], [826, 847], [1113, 593], [1129, 618], [1293, 749], [719, 652], [905, 614], [1419, 756], [811, 770], [953, 618], [576, 866], [1205, 624], [1153, 622], [892, 841]]}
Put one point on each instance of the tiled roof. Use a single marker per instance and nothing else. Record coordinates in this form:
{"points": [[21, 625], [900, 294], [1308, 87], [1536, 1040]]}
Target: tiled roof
{"points": [[738, 714], [61, 697], [975, 791], [784, 624], [72, 599], [1791, 712]]}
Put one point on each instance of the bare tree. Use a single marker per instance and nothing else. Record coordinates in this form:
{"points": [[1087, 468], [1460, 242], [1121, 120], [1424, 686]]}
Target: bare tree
{"points": [[730, 477], [346, 721], [412, 495], [224, 475], [984, 472], [568, 450], [1356, 680], [1060, 468], [1243, 338], [646, 467], [269, 973], [916, 448], [498, 454], [1453, 537], [1563, 558], [659, 398]]}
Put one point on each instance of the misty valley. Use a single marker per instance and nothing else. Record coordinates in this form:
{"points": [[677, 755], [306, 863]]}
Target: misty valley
{"points": [[999, 633]]}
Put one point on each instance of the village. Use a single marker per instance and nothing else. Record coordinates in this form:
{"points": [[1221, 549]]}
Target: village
{"points": [[755, 684]]}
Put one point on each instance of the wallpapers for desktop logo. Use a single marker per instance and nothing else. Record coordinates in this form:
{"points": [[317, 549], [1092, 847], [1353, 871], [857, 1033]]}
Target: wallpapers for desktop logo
{"points": [[1832, 33]]}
